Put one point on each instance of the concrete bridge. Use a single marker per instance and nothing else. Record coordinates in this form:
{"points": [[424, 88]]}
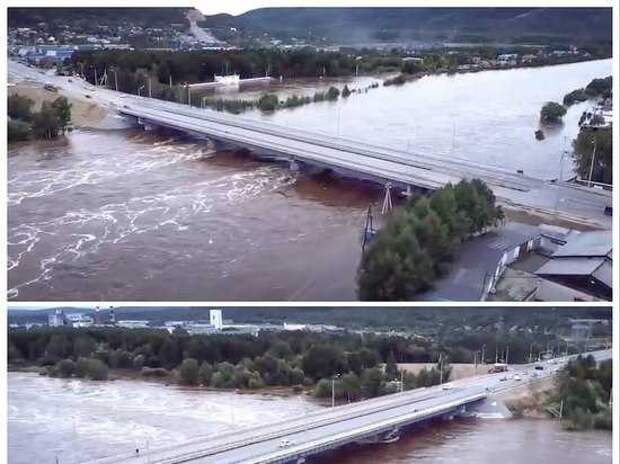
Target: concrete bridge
{"points": [[402, 169], [376, 420]]}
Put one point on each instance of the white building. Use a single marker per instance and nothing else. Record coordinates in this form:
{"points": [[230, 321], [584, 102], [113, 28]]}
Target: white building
{"points": [[133, 324], [57, 319], [215, 316]]}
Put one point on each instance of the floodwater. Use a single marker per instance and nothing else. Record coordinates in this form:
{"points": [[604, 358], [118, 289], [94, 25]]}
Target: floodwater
{"points": [[74, 420], [487, 442], [131, 215]]}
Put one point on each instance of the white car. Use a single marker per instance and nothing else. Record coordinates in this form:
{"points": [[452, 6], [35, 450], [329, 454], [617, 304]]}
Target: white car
{"points": [[517, 377], [285, 443]]}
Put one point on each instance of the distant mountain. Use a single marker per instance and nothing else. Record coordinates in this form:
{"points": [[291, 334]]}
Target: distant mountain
{"points": [[349, 25]]}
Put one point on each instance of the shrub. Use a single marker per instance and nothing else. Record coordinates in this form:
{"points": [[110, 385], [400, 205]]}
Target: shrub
{"points": [[189, 371], [552, 112]]}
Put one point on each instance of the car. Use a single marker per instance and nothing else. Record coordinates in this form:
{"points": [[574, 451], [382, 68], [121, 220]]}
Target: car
{"points": [[87, 96], [608, 211], [503, 379], [285, 443], [539, 367], [447, 387], [517, 377]]}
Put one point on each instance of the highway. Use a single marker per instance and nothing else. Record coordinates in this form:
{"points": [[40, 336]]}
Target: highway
{"points": [[300, 437], [350, 157]]}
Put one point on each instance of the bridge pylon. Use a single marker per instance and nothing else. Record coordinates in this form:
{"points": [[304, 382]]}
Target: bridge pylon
{"points": [[387, 199]]}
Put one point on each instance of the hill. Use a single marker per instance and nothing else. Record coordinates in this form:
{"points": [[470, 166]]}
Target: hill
{"points": [[359, 25]]}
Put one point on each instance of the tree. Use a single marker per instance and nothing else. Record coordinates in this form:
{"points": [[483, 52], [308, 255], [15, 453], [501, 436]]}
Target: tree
{"points": [[372, 383], [587, 139], [346, 91], [417, 242], [19, 107], [332, 93], [323, 361], [552, 113], [91, 368], [63, 111], [65, 368], [268, 102], [18, 131], [205, 373], [391, 369], [45, 123], [189, 371]]}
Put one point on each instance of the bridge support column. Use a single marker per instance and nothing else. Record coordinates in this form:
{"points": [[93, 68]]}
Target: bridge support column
{"points": [[387, 199], [294, 165]]}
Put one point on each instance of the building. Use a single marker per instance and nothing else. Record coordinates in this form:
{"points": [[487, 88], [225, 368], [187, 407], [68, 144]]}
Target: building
{"points": [[57, 319], [79, 320], [133, 324], [580, 270], [103, 317], [215, 316]]}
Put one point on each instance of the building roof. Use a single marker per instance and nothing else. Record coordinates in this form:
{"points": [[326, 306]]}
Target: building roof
{"points": [[571, 266], [587, 244]]}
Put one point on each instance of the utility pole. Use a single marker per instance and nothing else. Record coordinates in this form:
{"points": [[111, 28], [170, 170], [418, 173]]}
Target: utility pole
{"points": [[115, 80], [150, 95], [475, 363], [592, 162], [402, 380], [440, 369], [530, 358], [482, 355], [507, 348], [334, 389], [95, 76]]}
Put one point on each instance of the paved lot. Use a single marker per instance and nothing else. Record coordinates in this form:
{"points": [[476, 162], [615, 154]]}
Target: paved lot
{"points": [[476, 259]]}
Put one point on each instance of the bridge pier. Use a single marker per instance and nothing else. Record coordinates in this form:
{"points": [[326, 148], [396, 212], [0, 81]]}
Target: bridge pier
{"points": [[294, 165]]}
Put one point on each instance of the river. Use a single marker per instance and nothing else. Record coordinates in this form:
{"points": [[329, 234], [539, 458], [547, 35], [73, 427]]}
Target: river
{"points": [[130, 215], [73, 420]]}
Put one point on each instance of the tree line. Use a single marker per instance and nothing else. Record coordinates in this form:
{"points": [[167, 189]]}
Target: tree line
{"points": [[52, 119], [420, 238], [300, 359], [584, 389]]}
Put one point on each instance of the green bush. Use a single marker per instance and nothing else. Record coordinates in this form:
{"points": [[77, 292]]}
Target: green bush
{"points": [[18, 131], [91, 368], [188, 371], [552, 112], [65, 368], [268, 102]]}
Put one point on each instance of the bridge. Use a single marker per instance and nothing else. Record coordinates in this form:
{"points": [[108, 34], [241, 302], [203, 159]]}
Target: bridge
{"points": [[377, 420], [402, 169]]}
